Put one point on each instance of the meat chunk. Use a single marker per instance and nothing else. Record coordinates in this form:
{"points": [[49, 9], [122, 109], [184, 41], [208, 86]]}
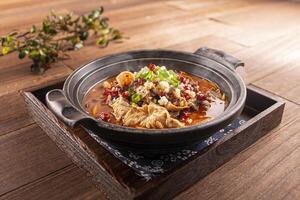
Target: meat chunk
{"points": [[120, 108], [147, 116], [156, 117], [159, 117], [172, 107], [135, 115]]}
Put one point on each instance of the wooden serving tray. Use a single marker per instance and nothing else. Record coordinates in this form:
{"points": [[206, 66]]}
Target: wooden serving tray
{"points": [[262, 113]]}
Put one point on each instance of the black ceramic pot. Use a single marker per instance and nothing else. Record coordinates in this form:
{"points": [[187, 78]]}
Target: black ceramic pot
{"points": [[211, 64]]}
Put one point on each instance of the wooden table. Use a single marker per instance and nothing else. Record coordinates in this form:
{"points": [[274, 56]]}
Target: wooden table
{"points": [[264, 34]]}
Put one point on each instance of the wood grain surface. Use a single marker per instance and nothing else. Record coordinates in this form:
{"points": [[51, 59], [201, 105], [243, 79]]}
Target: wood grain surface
{"points": [[265, 34]]}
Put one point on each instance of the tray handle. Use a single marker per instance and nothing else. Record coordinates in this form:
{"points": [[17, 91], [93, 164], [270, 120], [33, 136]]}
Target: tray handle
{"points": [[62, 108], [227, 60]]}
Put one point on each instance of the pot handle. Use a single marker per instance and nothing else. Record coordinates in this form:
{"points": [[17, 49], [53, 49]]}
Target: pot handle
{"points": [[229, 61], [62, 108]]}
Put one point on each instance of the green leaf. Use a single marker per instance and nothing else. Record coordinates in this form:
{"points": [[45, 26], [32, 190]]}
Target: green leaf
{"points": [[88, 21], [148, 75], [46, 27], [130, 91], [174, 82], [163, 74], [22, 54], [5, 50], [9, 40], [136, 98], [144, 73], [33, 43], [95, 13], [173, 78], [33, 29], [105, 31], [42, 53], [34, 54], [102, 42], [116, 35]]}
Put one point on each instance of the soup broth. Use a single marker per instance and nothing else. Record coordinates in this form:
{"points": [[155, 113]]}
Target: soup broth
{"points": [[155, 97]]}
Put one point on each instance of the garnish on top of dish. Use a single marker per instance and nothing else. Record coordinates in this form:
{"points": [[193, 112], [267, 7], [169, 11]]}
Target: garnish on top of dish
{"points": [[155, 98]]}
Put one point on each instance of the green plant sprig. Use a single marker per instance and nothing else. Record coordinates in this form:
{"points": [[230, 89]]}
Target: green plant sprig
{"points": [[57, 35]]}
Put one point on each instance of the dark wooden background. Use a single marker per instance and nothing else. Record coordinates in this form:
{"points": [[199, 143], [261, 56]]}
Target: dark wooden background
{"points": [[264, 34]]}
